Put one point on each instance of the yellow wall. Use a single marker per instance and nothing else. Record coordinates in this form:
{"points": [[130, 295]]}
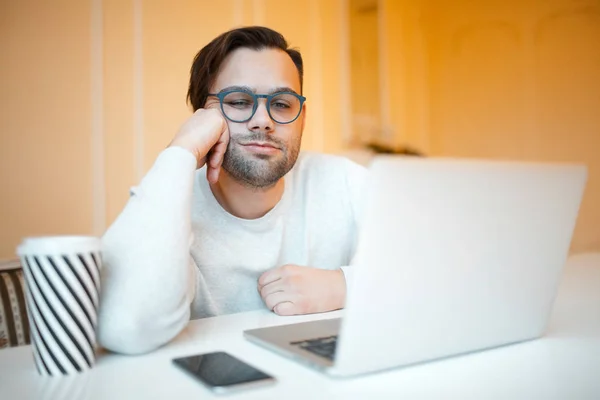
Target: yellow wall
{"points": [[121, 144], [363, 20], [91, 91], [45, 120], [405, 58]]}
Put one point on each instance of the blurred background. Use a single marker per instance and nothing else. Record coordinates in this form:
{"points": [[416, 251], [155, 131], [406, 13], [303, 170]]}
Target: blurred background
{"points": [[92, 90]]}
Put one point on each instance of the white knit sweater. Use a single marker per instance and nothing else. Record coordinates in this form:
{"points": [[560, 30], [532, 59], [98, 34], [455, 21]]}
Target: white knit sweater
{"points": [[174, 253]]}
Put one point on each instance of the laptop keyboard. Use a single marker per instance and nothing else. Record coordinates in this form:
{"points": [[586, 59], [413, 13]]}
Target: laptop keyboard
{"points": [[324, 347]]}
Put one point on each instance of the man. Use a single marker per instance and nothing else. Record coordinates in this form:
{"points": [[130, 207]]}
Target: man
{"points": [[231, 217]]}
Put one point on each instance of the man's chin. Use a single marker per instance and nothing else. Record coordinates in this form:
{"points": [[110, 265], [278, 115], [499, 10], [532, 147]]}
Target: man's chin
{"points": [[271, 157], [257, 172], [264, 157]]}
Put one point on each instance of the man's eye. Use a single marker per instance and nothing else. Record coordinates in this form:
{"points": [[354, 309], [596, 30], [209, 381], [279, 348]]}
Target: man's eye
{"points": [[280, 104], [239, 103]]}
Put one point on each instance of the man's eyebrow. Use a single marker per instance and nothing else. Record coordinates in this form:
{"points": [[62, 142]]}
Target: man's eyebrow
{"points": [[281, 89], [253, 90], [239, 88]]}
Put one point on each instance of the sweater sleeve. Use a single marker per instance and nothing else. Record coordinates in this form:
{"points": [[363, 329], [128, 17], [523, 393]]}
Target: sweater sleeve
{"points": [[148, 275]]}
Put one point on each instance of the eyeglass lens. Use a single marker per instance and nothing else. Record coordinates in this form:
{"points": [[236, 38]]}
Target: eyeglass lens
{"points": [[239, 107]]}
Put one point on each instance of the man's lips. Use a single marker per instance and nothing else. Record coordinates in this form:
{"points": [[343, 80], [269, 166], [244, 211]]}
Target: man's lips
{"points": [[264, 145]]}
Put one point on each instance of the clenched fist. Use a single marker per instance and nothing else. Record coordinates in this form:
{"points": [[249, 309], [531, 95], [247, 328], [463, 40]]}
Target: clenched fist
{"points": [[206, 135], [292, 290]]}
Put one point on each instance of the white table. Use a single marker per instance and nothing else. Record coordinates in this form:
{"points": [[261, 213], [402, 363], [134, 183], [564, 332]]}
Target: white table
{"points": [[565, 364]]}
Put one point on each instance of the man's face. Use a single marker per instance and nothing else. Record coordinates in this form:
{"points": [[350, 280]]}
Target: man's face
{"points": [[260, 151]]}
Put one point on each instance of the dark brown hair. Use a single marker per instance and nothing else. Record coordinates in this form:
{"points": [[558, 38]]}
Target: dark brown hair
{"points": [[208, 60]]}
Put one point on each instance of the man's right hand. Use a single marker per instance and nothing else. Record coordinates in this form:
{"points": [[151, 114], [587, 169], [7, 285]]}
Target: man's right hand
{"points": [[206, 135]]}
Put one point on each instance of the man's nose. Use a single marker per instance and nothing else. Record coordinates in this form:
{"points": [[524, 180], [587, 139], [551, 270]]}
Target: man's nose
{"points": [[261, 120]]}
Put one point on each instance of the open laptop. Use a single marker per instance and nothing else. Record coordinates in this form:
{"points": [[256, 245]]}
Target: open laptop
{"points": [[454, 256]]}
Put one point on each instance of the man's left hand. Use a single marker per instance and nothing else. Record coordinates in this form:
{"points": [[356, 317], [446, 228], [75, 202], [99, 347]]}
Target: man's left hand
{"points": [[292, 289]]}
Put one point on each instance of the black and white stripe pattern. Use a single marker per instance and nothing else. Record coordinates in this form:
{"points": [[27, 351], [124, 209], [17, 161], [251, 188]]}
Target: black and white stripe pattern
{"points": [[62, 303]]}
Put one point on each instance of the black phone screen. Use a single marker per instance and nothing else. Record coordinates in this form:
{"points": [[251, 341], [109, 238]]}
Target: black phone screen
{"points": [[220, 369]]}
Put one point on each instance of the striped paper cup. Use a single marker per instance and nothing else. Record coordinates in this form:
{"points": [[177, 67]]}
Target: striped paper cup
{"points": [[62, 275]]}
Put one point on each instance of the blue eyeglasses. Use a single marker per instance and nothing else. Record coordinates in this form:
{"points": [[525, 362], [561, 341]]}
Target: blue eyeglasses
{"points": [[240, 106]]}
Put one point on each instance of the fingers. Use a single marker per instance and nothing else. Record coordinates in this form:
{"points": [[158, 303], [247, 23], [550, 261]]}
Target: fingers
{"points": [[275, 301], [212, 174], [271, 288], [285, 309], [217, 153], [269, 277], [280, 290], [213, 166], [216, 156]]}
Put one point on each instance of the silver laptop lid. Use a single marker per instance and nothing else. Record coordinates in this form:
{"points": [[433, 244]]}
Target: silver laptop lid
{"points": [[455, 256]]}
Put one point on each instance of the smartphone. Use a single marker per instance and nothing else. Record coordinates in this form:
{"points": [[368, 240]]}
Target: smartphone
{"points": [[223, 373]]}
